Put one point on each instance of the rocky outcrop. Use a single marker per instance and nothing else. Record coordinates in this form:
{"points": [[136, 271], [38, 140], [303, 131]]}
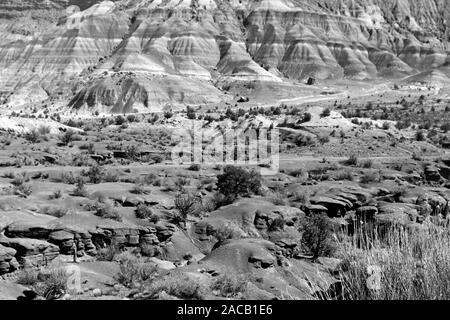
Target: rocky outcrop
{"points": [[38, 243], [28, 230], [31, 252]]}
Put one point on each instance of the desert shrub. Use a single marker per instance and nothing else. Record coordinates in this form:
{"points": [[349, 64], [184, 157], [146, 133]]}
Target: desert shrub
{"points": [[145, 212], [80, 188], [149, 179], [168, 185], [51, 284], [181, 182], [19, 179], [109, 253], [132, 152], [32, 136], [277, 224], [180, 286], [344, 175], [445, 127], [67, 137], [194, 167], [279, 196], [420, 135], [55, 195], [190, 112], [27, 277], [65, 177], [131, 118], [140, 188], [369, 177], [319, 174], [55, 212], [43, 130], [22, 190], [306, 117], [168, 114], [302, 140], [323, 139], [110, 176], [208, 205], [236, 181], [120, 120], [223, 234], [185, 203], [107, 211], [317, 235], [132, 272], [82, 159], [367, 164], [352, 160], [73, 123], [229, 285], [325, 113], [95, 174]]}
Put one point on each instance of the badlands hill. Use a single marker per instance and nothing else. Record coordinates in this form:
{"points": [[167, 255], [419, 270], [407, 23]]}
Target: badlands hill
{"points": [[149, 54]]}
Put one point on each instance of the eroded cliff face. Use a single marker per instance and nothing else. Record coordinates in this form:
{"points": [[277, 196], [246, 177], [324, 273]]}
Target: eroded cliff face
{"points": [[114, 54]]}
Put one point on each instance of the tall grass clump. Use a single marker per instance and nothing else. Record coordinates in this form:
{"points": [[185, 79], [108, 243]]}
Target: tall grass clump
{"points": [[404, 264]]}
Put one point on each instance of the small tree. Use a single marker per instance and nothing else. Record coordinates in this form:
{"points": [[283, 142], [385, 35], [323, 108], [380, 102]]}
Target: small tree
{"points": [[190, 113], [168, 114], [306, 117], [420, 135], [236, 181], [317, 235], [185, 205], [67, 137], [325, 113]]}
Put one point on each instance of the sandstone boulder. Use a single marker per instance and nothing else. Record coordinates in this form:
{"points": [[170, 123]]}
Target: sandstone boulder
{"points": [[28, 230]]}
